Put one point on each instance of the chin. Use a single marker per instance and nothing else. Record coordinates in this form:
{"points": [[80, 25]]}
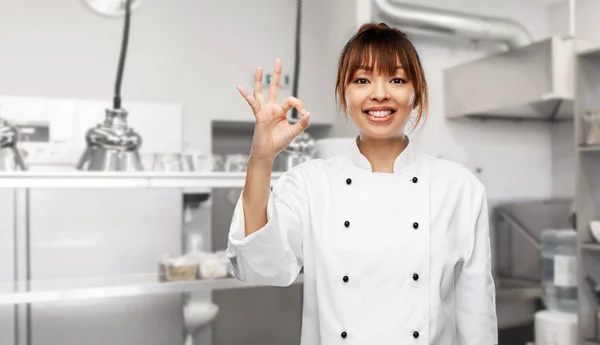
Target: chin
{"points": [[381, 133]]}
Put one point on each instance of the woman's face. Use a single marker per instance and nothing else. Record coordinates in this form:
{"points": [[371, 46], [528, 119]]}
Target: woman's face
{"points": [[380, 105]]}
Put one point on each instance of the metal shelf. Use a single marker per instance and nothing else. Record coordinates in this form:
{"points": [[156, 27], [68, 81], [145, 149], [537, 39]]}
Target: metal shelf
{"points": [[584, 148], [591, 246], [84, 179], [107, 287], [587, 80]]}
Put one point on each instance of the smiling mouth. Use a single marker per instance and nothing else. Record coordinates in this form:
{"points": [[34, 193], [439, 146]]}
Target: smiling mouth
{"points": [[380, 113]]}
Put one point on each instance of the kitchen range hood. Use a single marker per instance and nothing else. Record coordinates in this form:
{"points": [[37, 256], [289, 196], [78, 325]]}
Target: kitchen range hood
{"points": [[532, 82]]}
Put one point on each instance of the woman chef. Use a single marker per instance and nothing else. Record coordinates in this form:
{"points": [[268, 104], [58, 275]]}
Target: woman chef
{"points": [[394, 243]]}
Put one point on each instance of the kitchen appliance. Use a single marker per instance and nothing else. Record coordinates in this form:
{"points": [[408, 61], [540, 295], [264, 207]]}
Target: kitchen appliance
{"points": [[57, 234], [555, 328], [10, 156], [533, 82], [112, 145]]}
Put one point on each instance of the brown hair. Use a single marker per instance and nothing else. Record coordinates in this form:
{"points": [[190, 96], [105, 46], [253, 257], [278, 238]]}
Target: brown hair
{"points": [[379, 46]]}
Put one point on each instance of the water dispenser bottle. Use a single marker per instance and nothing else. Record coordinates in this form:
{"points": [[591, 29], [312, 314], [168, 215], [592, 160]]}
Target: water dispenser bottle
{"points": [[559, 270]]}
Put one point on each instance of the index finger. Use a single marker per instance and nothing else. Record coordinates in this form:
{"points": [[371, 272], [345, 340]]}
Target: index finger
{"points": [[274, 87]]}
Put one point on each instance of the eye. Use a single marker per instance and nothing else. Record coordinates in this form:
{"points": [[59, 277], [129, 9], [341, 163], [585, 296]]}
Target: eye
{"points": [[361, 80], [398, 81]]}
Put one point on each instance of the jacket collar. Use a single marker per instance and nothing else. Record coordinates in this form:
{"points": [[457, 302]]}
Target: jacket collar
{"points": [[403, 161]]}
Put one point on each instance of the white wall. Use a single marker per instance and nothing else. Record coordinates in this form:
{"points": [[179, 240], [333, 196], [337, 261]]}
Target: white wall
{"points": [[515, 157], [586, 20]]}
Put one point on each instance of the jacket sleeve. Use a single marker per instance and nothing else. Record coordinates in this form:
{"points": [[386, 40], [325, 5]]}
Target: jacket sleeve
{"points": [[273, 254], [475, 293]]}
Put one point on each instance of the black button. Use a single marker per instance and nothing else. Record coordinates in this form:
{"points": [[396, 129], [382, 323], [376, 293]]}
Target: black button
{"points": [[347, 224], [344, 335], [415, 179], [415, 225], [348, 181], [345, 279], [415, 334], [415, 277]]}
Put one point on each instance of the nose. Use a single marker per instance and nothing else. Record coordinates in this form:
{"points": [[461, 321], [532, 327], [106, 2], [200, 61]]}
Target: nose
{"points": [[379, 92]]}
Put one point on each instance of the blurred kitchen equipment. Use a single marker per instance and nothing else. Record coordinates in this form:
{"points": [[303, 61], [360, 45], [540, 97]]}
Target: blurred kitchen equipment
{"points": [[113, 146], [51, 132], [10, 156], [545, 95], [111, 7], [555, 328], [187, 162], [515, 232], [559, 270], [330, 147], [168, 162], [217, 162], [197, 314], [595, 229], [595, 290], [593, 120], [300, 150], [236, 162], [177, 268]]}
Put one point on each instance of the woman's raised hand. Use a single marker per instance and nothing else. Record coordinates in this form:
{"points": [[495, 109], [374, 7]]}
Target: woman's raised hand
{"points": [[272, 131]]}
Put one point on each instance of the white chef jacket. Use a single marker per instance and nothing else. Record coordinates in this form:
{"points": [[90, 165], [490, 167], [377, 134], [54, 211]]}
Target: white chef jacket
{"points": [[388, 258]]}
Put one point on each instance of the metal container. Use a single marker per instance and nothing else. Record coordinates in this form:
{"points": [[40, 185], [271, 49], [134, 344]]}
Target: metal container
{"points": [[10, 156], [112, 145]]}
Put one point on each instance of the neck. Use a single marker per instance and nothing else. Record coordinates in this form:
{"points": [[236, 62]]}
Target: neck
{"points": [[382, 153]]}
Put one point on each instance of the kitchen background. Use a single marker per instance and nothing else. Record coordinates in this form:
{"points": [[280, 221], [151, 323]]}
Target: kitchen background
{"points": [[58, 62]]}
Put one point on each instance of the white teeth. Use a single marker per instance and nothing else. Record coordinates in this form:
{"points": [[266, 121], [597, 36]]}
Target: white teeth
{"points": [[380, 113]]}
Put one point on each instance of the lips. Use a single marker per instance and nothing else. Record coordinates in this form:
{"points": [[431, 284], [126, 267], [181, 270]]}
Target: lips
{"points": [[380, 116]]}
